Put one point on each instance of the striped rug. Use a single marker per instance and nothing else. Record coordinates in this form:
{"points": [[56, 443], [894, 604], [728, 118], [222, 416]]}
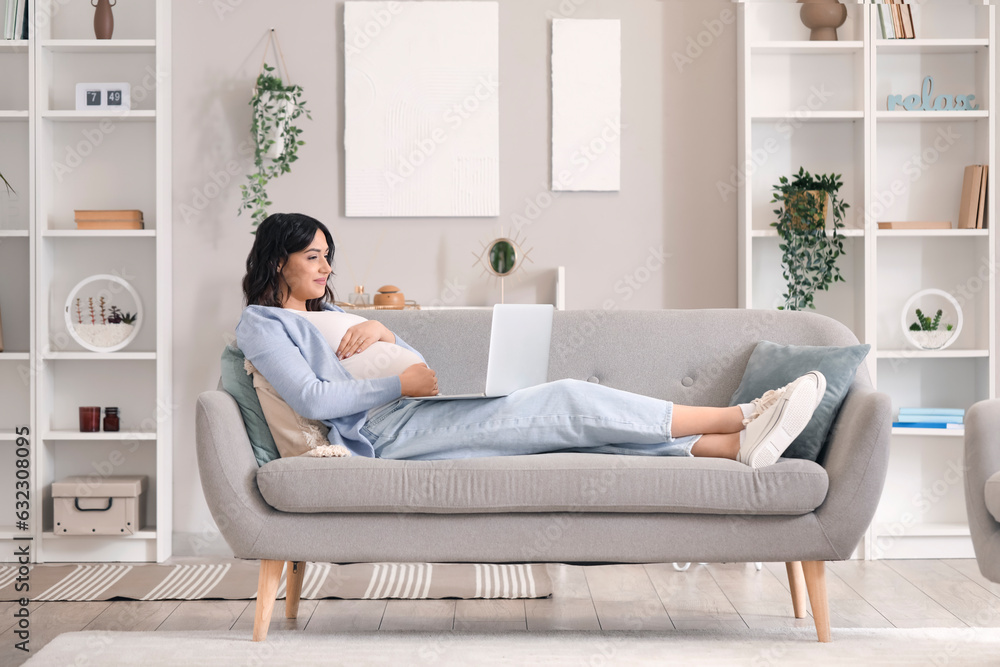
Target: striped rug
{"points": [[237, 580]]}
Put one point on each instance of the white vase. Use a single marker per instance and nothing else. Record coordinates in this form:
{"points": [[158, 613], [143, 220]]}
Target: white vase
{"points": [[282, 115]]}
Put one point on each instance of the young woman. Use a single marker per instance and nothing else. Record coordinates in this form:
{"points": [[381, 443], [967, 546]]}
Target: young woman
{"points": [[351, 373]]}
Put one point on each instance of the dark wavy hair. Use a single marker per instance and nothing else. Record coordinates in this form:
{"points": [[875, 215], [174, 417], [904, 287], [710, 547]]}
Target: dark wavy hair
{"points": [[280, 235]]}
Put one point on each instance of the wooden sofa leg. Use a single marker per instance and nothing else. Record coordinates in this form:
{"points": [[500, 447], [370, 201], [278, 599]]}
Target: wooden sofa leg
{"points": [[815, 574], [293, 587], [267, 590], [797, 585]]}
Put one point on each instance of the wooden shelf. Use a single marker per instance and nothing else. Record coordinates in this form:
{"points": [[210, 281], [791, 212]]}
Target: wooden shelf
{"points": [[99, 233], [100, 46], [99, 356], [13, 115], [920, 116], [14, 233], [14, 356], [145, 534], [793, 47], [930, 432], [808, 116], [11, 436], [773, 233], [889, 233], [930, 46], [69, 116], [933, 354], [15, 45], [100, 435]]}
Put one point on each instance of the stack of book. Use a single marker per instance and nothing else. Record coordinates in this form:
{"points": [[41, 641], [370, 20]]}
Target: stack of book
{"points": [[946, 418], [109, 219], [15, 19], [895, 19], [973, 211]]}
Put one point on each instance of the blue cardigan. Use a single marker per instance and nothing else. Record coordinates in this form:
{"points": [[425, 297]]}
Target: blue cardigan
{"points": [[295, 358]]}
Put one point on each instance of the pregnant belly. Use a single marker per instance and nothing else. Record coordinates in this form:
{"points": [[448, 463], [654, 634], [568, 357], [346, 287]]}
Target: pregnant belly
{"points": [[380, 360]]}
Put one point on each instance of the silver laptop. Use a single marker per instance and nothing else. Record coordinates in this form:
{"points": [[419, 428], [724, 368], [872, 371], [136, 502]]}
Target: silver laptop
{"points": [[519, 351]]}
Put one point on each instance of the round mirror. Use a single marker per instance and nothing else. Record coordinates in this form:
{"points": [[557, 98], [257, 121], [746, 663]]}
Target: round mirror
{"points": [[103, 313], [503, 257]]}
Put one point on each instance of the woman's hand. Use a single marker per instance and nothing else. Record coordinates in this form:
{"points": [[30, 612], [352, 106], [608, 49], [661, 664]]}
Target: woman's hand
{"points": [[362, 336], [419, 380]]}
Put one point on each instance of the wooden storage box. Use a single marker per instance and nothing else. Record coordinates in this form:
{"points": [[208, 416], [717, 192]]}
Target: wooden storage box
{"points": [[109, 506]]}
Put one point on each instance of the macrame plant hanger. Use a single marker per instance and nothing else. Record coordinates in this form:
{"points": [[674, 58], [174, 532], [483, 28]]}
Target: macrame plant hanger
{"points": [[279, 59]]}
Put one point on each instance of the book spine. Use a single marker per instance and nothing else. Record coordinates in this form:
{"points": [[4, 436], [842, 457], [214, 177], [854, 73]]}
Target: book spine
{"points": [[932, 419], [945, 412], [925, 425], [9, 14], [127, 215], [24, 26]]}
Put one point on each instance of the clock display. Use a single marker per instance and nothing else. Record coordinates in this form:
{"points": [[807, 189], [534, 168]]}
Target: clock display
{"points": [[103, 96]]}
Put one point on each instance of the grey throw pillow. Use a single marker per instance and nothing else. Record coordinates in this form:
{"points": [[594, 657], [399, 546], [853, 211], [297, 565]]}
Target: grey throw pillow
{"points": [[240, 386], [772, 366]]}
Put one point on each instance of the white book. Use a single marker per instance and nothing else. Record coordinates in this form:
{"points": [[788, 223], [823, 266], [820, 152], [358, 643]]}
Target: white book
{"points": [[10, 19], [885, 17], [19, 20]]}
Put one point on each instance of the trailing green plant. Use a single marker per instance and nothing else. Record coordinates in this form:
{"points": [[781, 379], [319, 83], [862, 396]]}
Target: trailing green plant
{"points": [[924, 323], [271, 118], [10, 189], [809, 255]]}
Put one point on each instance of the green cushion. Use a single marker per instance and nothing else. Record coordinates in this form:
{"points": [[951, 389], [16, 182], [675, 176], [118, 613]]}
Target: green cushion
{"points": [[240, 386], [772, 366]]}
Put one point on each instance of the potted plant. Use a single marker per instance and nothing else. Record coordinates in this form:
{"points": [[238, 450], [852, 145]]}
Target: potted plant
{"points": [[276, 107], [809, 255], [927, 332]]}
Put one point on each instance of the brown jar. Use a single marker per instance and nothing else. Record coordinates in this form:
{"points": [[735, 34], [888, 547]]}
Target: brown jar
{"points": [[110, 419]]}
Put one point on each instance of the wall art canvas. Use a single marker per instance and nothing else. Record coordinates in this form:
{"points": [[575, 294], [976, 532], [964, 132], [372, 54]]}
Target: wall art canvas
{"points": [[422, 109], [586, 105]]}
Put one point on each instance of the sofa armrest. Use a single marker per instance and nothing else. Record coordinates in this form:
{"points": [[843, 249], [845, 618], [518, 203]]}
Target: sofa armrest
{"points": [[856, 461], [982, 461], [229, 471]]}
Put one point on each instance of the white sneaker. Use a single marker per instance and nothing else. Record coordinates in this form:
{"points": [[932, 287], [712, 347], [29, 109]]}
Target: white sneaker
{"points": [[778, 417]]}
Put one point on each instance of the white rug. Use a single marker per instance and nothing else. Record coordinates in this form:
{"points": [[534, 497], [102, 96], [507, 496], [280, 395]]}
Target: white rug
{"points": [[757, 648]]}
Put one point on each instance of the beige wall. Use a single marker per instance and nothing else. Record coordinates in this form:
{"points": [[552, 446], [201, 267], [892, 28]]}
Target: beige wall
{"points": [[679, 141]]}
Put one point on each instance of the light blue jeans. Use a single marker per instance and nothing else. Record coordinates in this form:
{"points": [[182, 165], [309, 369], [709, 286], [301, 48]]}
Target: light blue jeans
{"points": [[561, 416]]}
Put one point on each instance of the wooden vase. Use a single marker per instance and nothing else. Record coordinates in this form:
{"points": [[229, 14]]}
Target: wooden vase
{"points": [[823, 17], [104, 20]]}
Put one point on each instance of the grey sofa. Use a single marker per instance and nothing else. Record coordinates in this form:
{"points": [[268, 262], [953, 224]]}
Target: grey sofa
{"points": [[982, 484], [565, 507]]}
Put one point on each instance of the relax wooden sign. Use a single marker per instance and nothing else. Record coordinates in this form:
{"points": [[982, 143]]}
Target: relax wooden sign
{"points": [[926, 101]]}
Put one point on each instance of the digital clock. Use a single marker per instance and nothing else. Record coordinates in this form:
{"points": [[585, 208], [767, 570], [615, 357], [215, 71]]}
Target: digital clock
{"points": [[103, 97]]}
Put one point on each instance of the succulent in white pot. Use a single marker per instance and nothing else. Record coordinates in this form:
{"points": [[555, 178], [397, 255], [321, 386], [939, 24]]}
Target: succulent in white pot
{"points": [[931, 334]]}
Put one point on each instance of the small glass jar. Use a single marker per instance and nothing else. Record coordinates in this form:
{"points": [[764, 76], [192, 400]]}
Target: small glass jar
{"points": [[110, 419], [360, 298], [90, 419]]}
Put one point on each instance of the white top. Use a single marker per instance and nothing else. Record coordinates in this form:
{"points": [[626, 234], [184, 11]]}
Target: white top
{"points": [[380, 360]]}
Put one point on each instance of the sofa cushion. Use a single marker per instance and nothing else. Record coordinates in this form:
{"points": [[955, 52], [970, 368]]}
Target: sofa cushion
{"points": [[772, 366], [239, 385], [993, 495], [557, 482]]}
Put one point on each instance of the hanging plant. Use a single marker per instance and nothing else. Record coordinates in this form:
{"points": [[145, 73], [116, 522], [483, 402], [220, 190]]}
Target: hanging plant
{"points": [[10, 189], [809, 256], [276, 107]]}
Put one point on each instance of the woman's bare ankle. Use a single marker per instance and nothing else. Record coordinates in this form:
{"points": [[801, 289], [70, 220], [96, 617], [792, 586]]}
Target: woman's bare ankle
{"points": [[717, 445]]}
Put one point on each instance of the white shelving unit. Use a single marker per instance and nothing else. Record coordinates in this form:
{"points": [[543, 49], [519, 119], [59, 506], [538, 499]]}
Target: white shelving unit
{"points": [[823, 106], [63, 159]]}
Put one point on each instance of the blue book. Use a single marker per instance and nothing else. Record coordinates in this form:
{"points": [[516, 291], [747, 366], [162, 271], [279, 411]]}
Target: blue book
{"points": [[943, 412], [926, 425], [924, 419]]}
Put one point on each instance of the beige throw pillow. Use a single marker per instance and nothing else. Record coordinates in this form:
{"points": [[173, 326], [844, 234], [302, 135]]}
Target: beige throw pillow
{"points": [[293, 434]]}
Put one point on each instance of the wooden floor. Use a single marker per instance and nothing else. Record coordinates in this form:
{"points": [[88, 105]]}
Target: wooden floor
{"points": [[879, 594]]}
